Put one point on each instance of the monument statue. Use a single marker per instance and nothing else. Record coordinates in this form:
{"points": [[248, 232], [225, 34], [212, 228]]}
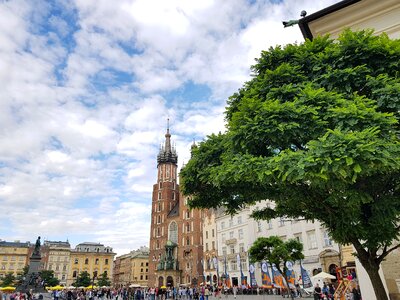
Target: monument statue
{"points": [[36, 251], [32, 280]]}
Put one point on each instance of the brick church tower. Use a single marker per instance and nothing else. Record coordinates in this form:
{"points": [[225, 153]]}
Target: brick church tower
{"points": [[176, 232]]}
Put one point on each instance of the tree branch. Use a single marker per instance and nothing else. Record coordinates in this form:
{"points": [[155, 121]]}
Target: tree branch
{"points": [[386, 252]]}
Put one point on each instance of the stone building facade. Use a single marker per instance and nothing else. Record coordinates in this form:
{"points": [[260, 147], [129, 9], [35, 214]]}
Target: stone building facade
{"points": [[132, 268], [13, 257], [176, 231], [95, 258], [58, 259]]}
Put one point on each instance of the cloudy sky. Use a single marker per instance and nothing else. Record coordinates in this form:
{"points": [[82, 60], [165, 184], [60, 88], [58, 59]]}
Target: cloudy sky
{"points": [[86, 87]]}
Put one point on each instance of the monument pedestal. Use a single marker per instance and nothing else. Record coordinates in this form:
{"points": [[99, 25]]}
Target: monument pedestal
{"points": [[32, 281]]}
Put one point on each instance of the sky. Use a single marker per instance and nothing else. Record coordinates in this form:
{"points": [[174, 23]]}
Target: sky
{"points": [[86, 88]]}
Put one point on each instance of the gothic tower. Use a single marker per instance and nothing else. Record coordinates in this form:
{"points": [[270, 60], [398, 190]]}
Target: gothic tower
{"points": [[176, 249]]}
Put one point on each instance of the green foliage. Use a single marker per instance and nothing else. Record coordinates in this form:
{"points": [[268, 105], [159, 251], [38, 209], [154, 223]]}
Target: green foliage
{"points": [[103, 280], [49, 278], [8, 280], [83, 279], [21, 275], [276, 251], [316, 130]]}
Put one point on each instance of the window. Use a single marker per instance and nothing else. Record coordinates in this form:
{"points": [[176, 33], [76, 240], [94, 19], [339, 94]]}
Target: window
{"points": [[222, 225], [244, 264], [233, 265], [232, 249], [241, 247], [159, 195], [141, 264], [269, 224], [96, 262], [147, 277], [224, 251], [158, 219], [141, 270], [76, 261], [212, 233], [187, 241], [160, 185], [281, 222], [327, 240], [206, 234], [213, 245], [231, 234], [240, 234], [187, 227], [206, 246], [188, 214], [86, 261], [74, 274], [312, 239], [223, 237], [239, 220], [106, 261], [230, 222], [141, 277], [259, 228], [147, 264], [64, 268], [298, 237]]}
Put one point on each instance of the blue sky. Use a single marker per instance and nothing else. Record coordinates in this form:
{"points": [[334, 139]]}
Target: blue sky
{"points": [[86, 87]]}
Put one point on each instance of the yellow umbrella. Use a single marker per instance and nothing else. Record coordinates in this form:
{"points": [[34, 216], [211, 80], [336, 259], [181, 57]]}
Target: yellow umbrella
{"points": [[163, 287], [8, 288], [57, 287]]}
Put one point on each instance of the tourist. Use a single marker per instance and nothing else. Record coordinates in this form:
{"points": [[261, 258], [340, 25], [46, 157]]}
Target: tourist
{"points": [[317, 292]]}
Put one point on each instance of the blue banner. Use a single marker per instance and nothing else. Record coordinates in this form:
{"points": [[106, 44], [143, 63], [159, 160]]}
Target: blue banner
{"points": [[305, 277], [253, 282], [265, 277], [277, 278]]}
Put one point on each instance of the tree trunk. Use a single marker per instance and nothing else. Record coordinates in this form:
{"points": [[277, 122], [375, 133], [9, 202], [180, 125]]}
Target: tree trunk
{"points": [[372, 269]]}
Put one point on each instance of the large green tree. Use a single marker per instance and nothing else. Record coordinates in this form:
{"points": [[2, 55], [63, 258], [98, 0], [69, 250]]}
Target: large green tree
{"points": [[316, 130], [103, 280], [83, 279], [8, 280], [277, 252], [49, 278]]}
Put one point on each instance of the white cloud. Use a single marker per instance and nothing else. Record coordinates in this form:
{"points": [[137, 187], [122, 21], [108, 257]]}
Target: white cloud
{"points": [[84, 107]]}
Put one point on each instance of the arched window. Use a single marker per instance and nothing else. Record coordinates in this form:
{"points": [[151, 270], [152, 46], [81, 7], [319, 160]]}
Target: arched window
{"points": [[86, 261], [173, 232]]}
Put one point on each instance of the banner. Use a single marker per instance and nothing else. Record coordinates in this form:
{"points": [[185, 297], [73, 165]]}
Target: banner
{"points": [[290, 275], [277, 277], [215, 260], [305, 277], [253, 282], [242, 278], [227, 281], [265, 278]]}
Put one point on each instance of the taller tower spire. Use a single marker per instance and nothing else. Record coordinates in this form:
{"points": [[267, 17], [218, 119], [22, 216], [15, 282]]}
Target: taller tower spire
{"points": [[167, 154]]}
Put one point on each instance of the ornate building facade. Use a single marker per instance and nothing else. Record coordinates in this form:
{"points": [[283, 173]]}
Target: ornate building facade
{"points": [[176, 246]]}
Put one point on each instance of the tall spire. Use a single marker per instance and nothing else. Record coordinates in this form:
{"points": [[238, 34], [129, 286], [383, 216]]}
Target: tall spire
{"points": [[168, 139], [167, 154]]}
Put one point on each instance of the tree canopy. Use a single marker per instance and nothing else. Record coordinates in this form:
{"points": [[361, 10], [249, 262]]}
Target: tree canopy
{"points": [[104, 280], [49, 278], [8, 280], [83, 279], [277, 252], [316, 130]]}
